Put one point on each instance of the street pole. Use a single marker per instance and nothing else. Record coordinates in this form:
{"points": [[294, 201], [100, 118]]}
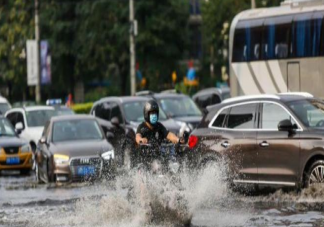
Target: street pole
{"points": [[253, 5], [132, 47], [37, 38]]}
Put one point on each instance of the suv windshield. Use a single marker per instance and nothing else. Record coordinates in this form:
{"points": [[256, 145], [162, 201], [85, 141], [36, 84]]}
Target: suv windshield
{"points": [[6, 128], [72, 130], [134, 111], [179, 107], [4, 107], [310, 112], [38, 118]]}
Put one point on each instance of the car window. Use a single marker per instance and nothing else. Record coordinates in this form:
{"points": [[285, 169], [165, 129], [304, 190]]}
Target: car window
{"points": [[134, 111], [103, 110], [73, 130], [242, 117], [219, 121], [4, 107], [38, 118], [115, 112], [20, 119], [180, 107], [12, 117], [272, 114]]}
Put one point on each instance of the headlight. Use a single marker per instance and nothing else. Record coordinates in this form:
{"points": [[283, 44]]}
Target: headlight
{"points": [[25, 149], [61, 159], [108, 155]]}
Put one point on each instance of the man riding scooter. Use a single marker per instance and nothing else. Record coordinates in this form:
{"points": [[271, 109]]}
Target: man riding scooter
{"points": [[151, 133]]}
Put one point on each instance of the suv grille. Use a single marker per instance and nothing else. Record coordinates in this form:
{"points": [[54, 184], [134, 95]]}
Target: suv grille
{"points": [[11, 150]]}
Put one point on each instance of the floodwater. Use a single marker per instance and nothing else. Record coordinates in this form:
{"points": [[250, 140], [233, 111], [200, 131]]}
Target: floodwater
{"points": [[141, 199]]}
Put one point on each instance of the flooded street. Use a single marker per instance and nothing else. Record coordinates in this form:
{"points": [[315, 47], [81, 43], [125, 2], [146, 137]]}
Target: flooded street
{"points": [[146, 200]]}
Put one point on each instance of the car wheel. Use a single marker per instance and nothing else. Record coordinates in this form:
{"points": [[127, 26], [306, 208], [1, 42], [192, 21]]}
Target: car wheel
{"points": [[25, 172], [315, 174]]}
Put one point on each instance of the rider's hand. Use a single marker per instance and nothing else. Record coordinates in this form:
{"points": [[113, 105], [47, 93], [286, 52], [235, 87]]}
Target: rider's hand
{"points": [[143, 141], [182, 141]]}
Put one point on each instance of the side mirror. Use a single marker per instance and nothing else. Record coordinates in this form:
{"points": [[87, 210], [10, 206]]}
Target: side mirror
{"points": [[286, 126], [115, 121], [19, 127], [42, 140], [110, 136]]}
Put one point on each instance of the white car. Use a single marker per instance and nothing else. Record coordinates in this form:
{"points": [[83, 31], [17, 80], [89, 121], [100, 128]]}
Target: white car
{"points": [[4, 105], [29, 122]]}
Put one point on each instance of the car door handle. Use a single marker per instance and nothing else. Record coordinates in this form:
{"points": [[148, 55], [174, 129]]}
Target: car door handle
{"points": [[226, 144], [264, 144]]}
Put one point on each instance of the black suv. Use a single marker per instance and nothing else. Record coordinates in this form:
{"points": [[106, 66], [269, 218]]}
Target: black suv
{"points": [[178, 107], [273, 140], [119, 118]]}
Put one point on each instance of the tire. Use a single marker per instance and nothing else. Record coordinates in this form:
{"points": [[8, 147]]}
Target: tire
{"points": [[25, 172], [38, 179], [315, 174]]}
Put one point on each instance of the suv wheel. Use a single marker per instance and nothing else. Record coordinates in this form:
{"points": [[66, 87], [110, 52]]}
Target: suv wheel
{"points": [[315, 174]]}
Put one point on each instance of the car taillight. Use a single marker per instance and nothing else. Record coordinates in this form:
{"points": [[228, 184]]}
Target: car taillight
{"points": [[193, 140]]}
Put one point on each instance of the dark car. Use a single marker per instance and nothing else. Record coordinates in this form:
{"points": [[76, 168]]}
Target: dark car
{"points": [[273, 140], [211, 96], [119, 118], [73, 148], [15, 153], [178, 107]]}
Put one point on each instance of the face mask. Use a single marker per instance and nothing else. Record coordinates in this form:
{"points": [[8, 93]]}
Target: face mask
{"points": [[153, 119]]}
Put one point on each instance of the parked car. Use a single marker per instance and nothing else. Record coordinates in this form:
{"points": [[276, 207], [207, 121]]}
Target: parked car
{"points": [[273, 140], [73, 148], [120, 116], [30, 121], [4, 105], [211, 96], [15, 153], [179, 107]]}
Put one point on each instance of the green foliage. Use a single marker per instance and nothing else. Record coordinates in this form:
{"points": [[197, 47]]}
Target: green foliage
{"points": [[98, 93], [83, 108]]}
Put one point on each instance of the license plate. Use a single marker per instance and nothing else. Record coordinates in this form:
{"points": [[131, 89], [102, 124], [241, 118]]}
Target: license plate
{"points": [[13, 160], [85, 170]]}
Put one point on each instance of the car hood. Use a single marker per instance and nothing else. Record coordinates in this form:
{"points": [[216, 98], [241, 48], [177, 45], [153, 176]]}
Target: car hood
{"points": [[80, 148], [35, 133], [7, 141]]}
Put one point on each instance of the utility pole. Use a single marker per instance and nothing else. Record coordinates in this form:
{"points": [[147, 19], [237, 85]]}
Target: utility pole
{"points": [[253, 5], [37, 38], [132, 46]]}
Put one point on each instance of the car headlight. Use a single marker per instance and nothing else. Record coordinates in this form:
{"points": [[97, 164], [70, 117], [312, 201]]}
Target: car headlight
{"points": [[25, 149], [61, 159], [108, 155]]}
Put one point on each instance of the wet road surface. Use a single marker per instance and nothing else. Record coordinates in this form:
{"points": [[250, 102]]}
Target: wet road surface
{"points": [[145, 200]]}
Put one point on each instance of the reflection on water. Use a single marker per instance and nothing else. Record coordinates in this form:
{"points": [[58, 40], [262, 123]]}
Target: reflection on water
{"points": [[198, 198]]}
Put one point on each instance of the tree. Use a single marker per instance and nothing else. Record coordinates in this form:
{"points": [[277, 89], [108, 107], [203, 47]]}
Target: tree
{"points": [[16, 19]]}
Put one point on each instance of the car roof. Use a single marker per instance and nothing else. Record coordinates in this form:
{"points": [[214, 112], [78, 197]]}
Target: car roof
{"points": [[169, 95], [72, 117], [124, 99], [32, 108], [3, 100], [281, 97]]}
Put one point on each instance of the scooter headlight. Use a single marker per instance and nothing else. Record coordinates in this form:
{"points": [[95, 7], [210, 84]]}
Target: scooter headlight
{"points": [[108, 155]]}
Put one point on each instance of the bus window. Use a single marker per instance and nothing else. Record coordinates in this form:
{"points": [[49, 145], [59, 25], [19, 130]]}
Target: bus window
{"points": [[276, 37], [247, 41], [306, 35]]}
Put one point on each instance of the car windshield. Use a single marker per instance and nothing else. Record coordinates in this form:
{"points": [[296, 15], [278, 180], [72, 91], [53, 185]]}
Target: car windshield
{"points": [[6, 128], [310, 112], [38, 118], [72, 130], [179, 107], [4, 107], [134, 111]]}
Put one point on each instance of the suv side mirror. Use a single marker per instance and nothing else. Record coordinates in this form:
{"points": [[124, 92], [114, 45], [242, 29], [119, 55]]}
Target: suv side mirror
{"points": [[110, 136], [42, 140], [19, 127], [115, 121], [286, 125]]}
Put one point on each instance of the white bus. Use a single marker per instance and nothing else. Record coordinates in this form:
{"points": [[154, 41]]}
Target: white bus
{"points": [[278, 49]]}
